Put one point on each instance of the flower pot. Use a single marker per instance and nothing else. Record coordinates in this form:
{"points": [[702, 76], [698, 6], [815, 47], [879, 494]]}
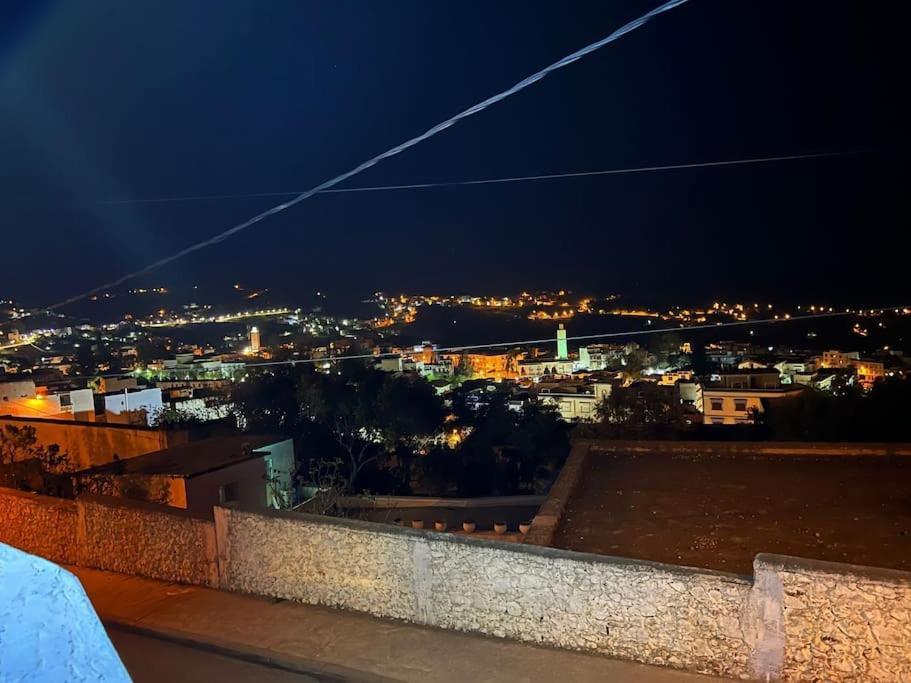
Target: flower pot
{"points": [[417, 523], [499, 527], [439, 525], [468, 526], [524, 527]]}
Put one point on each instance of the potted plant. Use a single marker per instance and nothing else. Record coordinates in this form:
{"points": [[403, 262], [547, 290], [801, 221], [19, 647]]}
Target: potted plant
{"points": [[440, 525], [417, 523], [499, 527], [468, 526], [524, 527]]}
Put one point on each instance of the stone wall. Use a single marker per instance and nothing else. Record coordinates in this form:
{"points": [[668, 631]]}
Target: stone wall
{"points": [[833, 622], [111, 534], [39, 525], [816, 449], [653, 613], [553, 508], [796, 620], [150, 540]]}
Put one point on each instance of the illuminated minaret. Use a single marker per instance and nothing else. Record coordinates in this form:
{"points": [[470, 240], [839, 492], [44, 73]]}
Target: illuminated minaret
{"points": [[254, 339], [562, 351]]}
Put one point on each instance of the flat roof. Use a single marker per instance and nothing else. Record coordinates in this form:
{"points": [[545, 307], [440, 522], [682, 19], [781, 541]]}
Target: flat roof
{"points": [[747, 371], [718, 505], [86, 423], [782, 389], [194, 458]]}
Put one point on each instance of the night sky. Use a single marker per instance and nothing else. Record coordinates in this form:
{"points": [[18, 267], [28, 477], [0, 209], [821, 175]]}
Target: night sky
{"points": [[112, 100]]}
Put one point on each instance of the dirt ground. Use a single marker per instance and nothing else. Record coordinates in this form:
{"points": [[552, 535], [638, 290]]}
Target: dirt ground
{"points": [[718, 512]]}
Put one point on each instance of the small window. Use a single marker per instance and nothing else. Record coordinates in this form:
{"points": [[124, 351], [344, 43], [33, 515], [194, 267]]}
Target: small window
{"points": [[717, 403], [229, 493], [740, 405], [717, 420], [65, 400]]}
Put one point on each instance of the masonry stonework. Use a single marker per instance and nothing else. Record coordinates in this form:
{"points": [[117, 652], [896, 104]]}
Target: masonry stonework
{"points": [[677, 617], [145, 539], [797, 620], [39, 525], [840, 622]]}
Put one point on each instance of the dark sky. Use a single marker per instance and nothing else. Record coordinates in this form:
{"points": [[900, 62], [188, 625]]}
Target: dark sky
{"points": [[111, 100]]}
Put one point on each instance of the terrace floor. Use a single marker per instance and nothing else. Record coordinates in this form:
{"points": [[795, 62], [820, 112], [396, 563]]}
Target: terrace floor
{"points": [[718, 512], [276, 640]]}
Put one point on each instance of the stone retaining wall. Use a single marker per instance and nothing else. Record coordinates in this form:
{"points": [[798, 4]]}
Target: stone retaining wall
{"points": [[672, 616], [815, 449], [795, 620], [834, 622], [551, 511], [111, 534], [39, 525], [147, 540]]}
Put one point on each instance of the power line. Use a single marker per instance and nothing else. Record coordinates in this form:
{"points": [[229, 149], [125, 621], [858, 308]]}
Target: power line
{"points": [[471, 111], [482, 181]]}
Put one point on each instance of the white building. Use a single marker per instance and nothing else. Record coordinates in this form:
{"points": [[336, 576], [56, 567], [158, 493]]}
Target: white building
{"points": [[24, 399], [576, 405], [793, 372], [541, 367], [390, 364], [736, 396], [139, 406], [599, 357]]}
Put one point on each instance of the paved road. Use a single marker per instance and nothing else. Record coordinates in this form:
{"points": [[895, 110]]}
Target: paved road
{"points": [[150, 660]]}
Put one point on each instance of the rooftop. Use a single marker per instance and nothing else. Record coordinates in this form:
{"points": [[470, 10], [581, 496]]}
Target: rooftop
{"points": [[197, 457], [782, 389], [719, 505]]}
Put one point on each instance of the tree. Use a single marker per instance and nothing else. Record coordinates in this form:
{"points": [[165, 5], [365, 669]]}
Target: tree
{"points": [[18, 444], [84, 361], [641, 409], [150, 349], [882, 415], [698, 358], [167, 417], [29, 465], [267, 401], [506, 453], [376, 415], [359, 416], [634, 362], [464, 368]]}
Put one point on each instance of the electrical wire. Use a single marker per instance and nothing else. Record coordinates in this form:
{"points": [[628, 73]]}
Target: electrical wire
{"points": [[471, 111], [482, 181]]}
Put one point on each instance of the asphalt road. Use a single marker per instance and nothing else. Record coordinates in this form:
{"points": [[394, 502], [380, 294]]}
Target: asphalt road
{"points": [[151, 660]]}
